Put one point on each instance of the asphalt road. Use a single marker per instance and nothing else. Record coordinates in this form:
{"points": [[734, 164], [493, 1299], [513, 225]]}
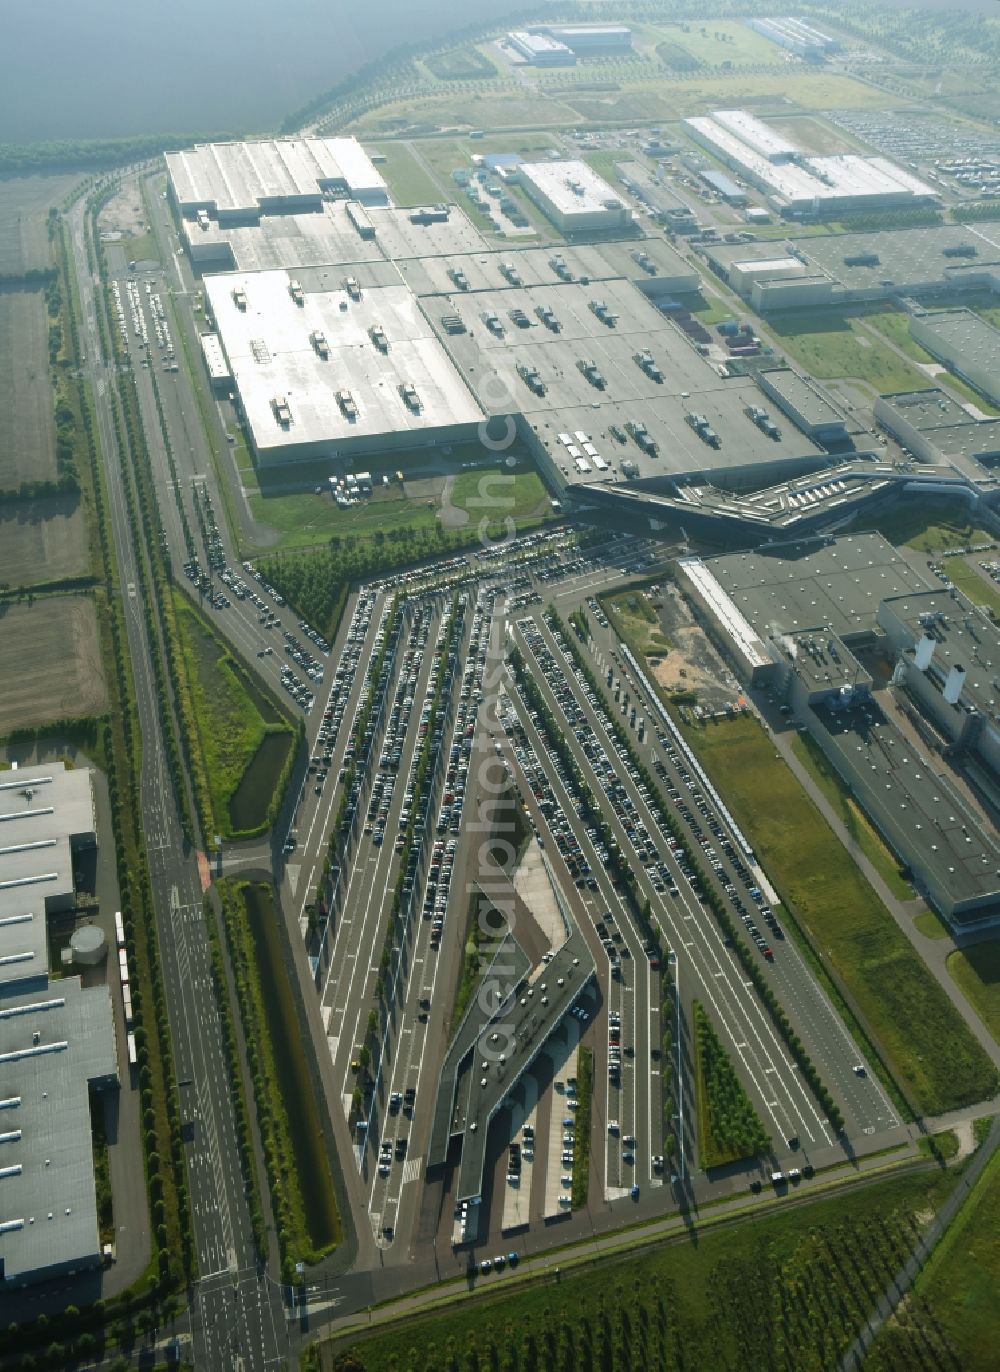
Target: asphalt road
{"points": [[237, 1316]]}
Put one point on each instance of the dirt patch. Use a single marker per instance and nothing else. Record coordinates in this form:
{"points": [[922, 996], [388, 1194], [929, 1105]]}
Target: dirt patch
{"points": [[42, 540], [966, 1140], [125, 213], [27, 419], [693, 664], [50, 662]]}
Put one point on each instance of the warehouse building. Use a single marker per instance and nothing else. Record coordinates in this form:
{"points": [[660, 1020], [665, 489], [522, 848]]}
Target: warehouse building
{"points": [[809, 408], [574, 197], [724, 186], [540, 49], [936, 429], [798, 36], [56, 1040], [792, 620], [841, 269], [757, 135], [586, 39], [801, 186], [946, 649], [966, 343], [664, 204], [238, 183], [327, 364]]}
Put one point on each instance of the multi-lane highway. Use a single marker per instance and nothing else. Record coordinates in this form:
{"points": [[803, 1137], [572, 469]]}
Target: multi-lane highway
{"points": [[237, 1311]]}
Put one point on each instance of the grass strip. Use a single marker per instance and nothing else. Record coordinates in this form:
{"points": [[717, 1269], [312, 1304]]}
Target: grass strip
{"points": [[922, 1037], [581, 1144], [729, 1128], [237, 1087], [302, 1199]]}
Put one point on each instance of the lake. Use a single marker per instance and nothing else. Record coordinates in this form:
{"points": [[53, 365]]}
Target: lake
{"points": [[102, 69]]}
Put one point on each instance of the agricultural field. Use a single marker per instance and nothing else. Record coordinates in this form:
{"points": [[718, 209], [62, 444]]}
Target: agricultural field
{"points": [[27, 418], [50, 662], [24, 206], [666, 99], [460, 64], [517, 110], [244, 738], [42, 540], [713, 43], [977, 971], [830, 345], [408, 183], [955, 1296], [927, 1045], [755, 1295]]}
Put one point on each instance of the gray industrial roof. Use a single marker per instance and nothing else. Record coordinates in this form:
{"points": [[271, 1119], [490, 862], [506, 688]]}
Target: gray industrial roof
{"points": [[41, 809], [805, 398], [53, 1043], [965, 637], [919, 810], [822, 661], [272, 355], [570, 403], [906, 257], [970, 336], [803, 585], [936, 415], [572, 187], [23, 947]]}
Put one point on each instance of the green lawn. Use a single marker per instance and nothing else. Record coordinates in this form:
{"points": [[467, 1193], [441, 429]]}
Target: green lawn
{"points": [[977, 972], [930, 526], [921, 1034], [894, 325], [232, 718], [852, 816], [714, 41], [977, 588], [408, 183], [308, 520], [497, 494], [931, 925], [795, 1278], [636, 621], [830, 345], [955, 1299]]}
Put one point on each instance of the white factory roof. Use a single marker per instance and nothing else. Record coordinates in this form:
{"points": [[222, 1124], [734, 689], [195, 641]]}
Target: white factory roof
{"points": [[247, 175], [755, 133], [215, 358], [726, 612], [770, 266], [537, 43], [41, 809], [271, 352], [813, 178], [572, 187], [23, 947], [53, 1042]]}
